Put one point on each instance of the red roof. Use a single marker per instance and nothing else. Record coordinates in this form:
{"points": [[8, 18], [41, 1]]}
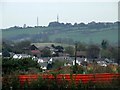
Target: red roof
{"points": [[81, 53], [35, 51]]}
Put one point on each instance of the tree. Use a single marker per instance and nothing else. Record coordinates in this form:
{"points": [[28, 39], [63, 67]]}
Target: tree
{"points": [[104, 44], [7, 45], [49, 66], [93, 51], [58, 64], [5, 53], [20, 47], [106, 53], [81, 25], [59, 48], [23, 44], [53, 45], [70, 50], [13, 65], [46, 52], [115, 53], [81, 47], [111, 53]]}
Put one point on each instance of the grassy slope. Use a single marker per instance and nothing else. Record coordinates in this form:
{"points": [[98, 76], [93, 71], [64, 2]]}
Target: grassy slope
{"points": [[12, 32], [49, 44], [83, 36], [110, 35], [29, 31]]}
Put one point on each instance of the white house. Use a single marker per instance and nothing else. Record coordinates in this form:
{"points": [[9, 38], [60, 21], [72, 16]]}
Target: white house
{"points": [[40, 61], [43, 66], [17, 56], [78, 62], [85, 60], [50, 61], [0, 53], [102, 63], [20, 56], [67, 64]]}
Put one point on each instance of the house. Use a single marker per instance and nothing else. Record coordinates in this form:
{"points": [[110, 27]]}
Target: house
{"points": [[33, 47], [59, 49], [34, 58], [102, 63], [77, 61], [82, 54], [67, 64], [35, 53], [43, 66], [40, 61], [63, 54], [0, 53], [50, 61], [20, 56]]}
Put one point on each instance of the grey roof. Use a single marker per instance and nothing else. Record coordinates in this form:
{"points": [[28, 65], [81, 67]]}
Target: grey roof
{"points": [[43, 64]]}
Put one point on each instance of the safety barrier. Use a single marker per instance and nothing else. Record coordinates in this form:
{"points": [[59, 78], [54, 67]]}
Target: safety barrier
{"points": [[85, 78]]}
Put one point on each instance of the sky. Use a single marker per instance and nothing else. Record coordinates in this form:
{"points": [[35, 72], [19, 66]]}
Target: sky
{"points": [[20, 12]]}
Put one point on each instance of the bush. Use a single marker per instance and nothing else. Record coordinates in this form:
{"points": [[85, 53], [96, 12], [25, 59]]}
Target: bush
{"points": [[11, 81], [118, 69], [20, 65], [78, 69]]}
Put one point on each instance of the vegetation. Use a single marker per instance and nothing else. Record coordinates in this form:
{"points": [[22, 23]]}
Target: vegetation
{"points": [[40, 83], [46, 52], [58, 64], [26, 66], [49, 44], [65, 33], [93, 51], [13, 67], [19, 66], [70, 50], [17, 47], [90, 34], [104, 44]]}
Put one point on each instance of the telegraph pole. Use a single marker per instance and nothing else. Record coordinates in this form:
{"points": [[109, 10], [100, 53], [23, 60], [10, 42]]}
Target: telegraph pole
{"points": [[75, 53], [75, 69], [57, 18], [37, 21]]}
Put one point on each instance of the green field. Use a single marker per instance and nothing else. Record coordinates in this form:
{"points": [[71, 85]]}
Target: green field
{"points": [[74, 33], [49, 44], [110, 35], [26, 31]]}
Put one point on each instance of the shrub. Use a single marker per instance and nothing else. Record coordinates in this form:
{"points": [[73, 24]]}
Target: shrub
{"points": [[118, 69], [11, 81], [78, 69]]}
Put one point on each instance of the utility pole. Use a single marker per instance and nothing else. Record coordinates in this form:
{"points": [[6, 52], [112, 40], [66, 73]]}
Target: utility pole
{"points": [[37, 21], [57, 18], [75, 69], [75, 52]]}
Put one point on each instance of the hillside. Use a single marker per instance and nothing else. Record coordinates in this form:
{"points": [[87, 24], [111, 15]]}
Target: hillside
{"points": [[49, 44], [64, 33]]}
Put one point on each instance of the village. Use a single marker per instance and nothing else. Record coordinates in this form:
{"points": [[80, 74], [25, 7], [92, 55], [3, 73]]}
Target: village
{"points": [[46, 56], [34, 66]]}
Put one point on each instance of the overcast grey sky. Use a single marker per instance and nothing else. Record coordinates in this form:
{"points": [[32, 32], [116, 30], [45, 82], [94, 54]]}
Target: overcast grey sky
{"points": [[19, 13]]}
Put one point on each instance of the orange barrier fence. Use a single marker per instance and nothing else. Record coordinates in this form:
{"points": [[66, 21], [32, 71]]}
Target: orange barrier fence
{"points": [[85, 78]]}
